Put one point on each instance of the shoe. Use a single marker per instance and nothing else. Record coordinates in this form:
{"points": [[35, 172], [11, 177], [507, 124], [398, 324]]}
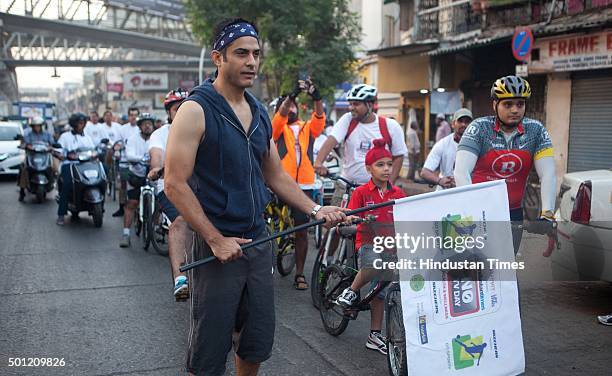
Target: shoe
{"points": [[125, 241], [181, 289], [377, 342], [60, 220], [347, 298], [606, 320], [119, 213], [21, 194]]}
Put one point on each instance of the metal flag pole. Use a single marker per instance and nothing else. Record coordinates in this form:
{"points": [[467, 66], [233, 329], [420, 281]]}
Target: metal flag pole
{"points": [[195, 264]]}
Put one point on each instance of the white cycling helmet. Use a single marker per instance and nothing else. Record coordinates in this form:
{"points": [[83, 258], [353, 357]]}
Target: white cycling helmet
{"points": [[362, 92], [37, 120]]}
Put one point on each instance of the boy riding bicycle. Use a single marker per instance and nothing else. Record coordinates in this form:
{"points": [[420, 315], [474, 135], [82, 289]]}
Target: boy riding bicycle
{"points": [[379, 163]]}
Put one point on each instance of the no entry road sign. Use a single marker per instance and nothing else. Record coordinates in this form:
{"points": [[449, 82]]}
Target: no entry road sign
{"points": [[522, 43]]}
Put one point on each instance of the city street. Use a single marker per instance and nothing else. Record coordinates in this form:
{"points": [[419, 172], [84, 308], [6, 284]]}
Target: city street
{"points": [[70, 292]]}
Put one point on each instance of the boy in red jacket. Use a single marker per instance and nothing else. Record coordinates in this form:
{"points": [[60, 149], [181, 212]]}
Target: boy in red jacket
{"points": [[379, 164]]}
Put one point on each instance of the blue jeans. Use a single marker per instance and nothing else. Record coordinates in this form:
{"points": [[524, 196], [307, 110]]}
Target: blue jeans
{"points": [[66, 190]]}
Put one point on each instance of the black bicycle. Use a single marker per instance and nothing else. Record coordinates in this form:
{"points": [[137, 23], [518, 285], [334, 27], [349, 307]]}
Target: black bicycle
{"points": [[331, 250]]}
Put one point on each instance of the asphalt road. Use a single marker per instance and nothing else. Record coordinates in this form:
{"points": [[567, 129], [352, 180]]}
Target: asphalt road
{"points": [[70, 292]]}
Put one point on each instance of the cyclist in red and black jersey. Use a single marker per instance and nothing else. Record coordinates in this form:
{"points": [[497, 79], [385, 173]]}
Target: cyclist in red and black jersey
{"points": [[506, 146]]}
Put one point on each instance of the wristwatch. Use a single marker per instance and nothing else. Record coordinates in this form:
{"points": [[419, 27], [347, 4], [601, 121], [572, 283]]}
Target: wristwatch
{"points": [[315, 210]]}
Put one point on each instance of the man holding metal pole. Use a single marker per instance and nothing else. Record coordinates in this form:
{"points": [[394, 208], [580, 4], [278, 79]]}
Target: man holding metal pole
{"points": [[221, 142]]}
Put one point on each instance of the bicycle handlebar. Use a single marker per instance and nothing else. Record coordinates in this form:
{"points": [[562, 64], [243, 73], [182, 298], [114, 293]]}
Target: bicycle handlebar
{"points": [[338, 177]]}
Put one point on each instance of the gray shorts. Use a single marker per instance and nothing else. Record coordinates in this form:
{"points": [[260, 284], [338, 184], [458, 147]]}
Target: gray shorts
{"points": [[367, 256], [232, 299]]}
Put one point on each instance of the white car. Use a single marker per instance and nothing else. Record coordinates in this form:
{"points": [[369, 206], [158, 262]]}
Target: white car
{"points": [[11, 156], [584, 227]]}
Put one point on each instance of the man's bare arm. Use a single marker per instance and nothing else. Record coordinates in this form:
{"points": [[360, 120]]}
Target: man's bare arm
{"points": [[326, 148], [284, 108], [156, 155], [183, 142]]}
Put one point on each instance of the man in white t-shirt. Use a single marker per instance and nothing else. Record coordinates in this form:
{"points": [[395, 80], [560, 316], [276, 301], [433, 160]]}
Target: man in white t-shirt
{"points": [[179, 232], [357, 130], [442, 155], [125, 132], [113, 130], [95, 130], [136, 153]]}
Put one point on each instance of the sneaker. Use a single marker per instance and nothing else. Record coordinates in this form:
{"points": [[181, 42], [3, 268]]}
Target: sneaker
{"points": [[125, 241], [606, 320], [181, 289], [347, 298], [377, 342], [119, 213], [60, 220]]}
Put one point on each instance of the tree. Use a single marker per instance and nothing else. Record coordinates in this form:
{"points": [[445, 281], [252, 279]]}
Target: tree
{"points": [[317, 37]]}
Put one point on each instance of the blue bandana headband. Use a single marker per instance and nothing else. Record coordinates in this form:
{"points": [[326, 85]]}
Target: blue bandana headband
{"points": [[232, 32]]}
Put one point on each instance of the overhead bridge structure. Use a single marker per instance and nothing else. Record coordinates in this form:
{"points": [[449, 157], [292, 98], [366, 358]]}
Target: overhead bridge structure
{"points": [[96, 33]]}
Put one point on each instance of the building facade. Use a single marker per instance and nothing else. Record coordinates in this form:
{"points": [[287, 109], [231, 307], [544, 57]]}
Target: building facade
{"points": [[449, 50]]}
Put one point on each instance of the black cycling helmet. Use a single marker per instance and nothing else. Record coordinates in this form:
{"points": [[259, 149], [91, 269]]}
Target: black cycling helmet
{"points": [[145, 116], [75, 118]]}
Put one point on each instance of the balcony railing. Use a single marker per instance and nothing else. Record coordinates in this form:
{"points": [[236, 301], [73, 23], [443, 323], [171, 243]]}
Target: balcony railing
{"points": [[444, 19]]}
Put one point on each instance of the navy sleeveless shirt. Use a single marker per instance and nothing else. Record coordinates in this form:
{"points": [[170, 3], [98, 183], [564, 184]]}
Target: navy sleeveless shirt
{"points": [[227, 176]]}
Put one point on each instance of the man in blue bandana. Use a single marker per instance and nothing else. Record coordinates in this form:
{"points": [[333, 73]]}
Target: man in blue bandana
{"points": [[221, 142]]}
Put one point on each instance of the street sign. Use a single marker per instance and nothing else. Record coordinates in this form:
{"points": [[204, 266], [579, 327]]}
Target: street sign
{"points": [[522, 43], [521, 70]]}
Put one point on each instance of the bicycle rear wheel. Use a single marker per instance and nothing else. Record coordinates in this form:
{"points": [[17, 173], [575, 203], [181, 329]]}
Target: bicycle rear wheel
{"points": [[333, 282], [396, 336], [285, 258]]}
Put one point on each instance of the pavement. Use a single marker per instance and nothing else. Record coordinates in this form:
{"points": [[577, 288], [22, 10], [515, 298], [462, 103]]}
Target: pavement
{"points": [[70, 292]]}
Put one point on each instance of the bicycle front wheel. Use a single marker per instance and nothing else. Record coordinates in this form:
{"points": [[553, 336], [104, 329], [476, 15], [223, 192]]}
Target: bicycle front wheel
{"points": [[396, 336], [285, 258], [333, 282], [147, 225], [317, 273], [159, 233]]}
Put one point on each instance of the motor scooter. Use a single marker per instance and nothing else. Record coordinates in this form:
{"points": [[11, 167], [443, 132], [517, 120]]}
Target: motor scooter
{"points": [[89, 184]]}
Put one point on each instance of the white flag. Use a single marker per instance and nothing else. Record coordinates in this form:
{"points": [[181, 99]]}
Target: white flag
{"points": [[454, 325]]}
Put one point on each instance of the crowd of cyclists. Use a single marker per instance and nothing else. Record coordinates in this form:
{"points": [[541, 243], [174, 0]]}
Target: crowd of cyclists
{"points": [[371, 149]]}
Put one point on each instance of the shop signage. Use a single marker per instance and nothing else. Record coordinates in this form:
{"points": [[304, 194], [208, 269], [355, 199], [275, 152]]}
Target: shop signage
{"points": [[573, 52], [145, 81]]}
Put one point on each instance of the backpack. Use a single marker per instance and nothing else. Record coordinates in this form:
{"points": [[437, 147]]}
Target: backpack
{"points": [[384, 130]]}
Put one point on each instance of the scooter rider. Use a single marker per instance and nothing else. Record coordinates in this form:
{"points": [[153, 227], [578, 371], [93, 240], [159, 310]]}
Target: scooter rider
{"points": [[70, 141], [33, 134], [179, 233], [136, 150]]}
